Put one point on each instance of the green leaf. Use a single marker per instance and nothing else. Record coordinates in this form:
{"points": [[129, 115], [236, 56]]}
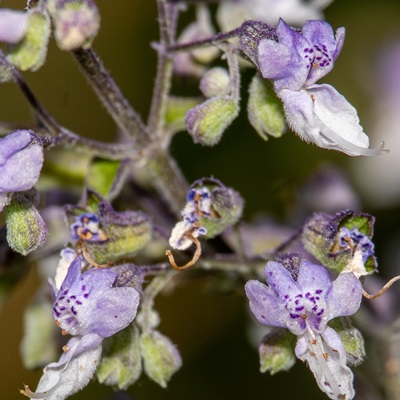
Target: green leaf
{"points": [[101, 175]]}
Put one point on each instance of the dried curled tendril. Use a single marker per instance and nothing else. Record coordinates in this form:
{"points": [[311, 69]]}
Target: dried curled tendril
{"points": [[194, 259], [81, 245]]}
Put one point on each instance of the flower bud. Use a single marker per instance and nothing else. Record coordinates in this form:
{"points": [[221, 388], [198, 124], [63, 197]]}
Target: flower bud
{"points": [[352, 340], [264, 109], [207, 121], [277, 351], [121, 363], [26, 230], [342, 242], [215, 82], [30, 53], [76, 23], [161, 359], [13, 25], [21, 159]]}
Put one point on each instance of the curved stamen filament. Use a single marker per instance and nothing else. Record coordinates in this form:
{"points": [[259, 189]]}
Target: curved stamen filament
{"points": [[87, 257], [194, 259], [382, 291]]}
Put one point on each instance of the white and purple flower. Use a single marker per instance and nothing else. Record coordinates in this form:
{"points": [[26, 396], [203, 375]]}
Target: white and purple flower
{"points": [[89, 308], [305, 306], [317, 113]]}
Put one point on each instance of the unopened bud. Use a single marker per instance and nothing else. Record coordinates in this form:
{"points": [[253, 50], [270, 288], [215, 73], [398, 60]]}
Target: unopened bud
{"points": [[265, 110], [30, 53], [207, 121], [76, 23], [161, 359], [26, 230], [277, 351], [215, 82], [121, 363]]}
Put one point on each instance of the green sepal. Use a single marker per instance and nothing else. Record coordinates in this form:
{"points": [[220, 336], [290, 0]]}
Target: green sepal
{"points": [[177, 108], [26, 230], [352, 340], [207, 121], [161, 359], [121, 364], [264, 109], [227, 205], [30, 53], [320, 237], [277, 351]]}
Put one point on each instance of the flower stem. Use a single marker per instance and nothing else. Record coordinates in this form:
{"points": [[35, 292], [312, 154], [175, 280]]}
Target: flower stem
{"points": [[111, 96]]}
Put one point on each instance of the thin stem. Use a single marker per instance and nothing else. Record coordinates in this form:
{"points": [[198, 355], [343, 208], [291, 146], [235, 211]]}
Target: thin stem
{"points": [[382, 291], [211, 41], [167, 18], [111, 96]]}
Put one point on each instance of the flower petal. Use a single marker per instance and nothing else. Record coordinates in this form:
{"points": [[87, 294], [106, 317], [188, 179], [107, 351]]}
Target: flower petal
{"points": [[264, 304], [13, 25], [326, 357], [59, 382], [285, 61], [345, 297], [114, 310]]}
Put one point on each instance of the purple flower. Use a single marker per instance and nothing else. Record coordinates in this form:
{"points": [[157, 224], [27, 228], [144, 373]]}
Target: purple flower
{"points": [[13, 25], [88, 307], [198, 204], [355, 240], [317, 113], [87, 225], [21, 159], [305, 306]]}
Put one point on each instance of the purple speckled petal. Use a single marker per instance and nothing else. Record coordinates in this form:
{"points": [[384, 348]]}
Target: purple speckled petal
{"points": [[13, 25], [264, 304], [320, 35], [345, 297], [286, 61], [313, 278], [280, 280], [21, 160]]}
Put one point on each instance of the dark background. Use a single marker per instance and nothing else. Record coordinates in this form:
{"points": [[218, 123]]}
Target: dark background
{"points": [[209, 330]]}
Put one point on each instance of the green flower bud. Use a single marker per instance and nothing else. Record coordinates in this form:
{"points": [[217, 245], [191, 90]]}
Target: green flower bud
{"points": [[207, 121], [76, 23], [277, 351], [161, 358], [265, 110], [215, 82], [30, 53], [341, 241], [121, 364], [352, 340], [26, 230]]}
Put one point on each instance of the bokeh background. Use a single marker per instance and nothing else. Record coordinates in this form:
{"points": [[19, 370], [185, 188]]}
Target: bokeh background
{"points": [[211, 330]]}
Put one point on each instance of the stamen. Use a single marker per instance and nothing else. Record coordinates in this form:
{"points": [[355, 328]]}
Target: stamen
{"points": [[65, 349], [32, 395], [194, 259], [382, 291]]}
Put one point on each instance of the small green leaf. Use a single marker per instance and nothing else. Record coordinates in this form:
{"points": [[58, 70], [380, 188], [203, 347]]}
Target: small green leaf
{"points": [[101, 175]]}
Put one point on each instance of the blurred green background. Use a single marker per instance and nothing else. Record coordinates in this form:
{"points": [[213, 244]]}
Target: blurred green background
{"points": [[209, 330]]}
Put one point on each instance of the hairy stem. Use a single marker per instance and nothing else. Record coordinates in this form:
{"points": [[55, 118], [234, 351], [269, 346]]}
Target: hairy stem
{"points": [[111, 96]]}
